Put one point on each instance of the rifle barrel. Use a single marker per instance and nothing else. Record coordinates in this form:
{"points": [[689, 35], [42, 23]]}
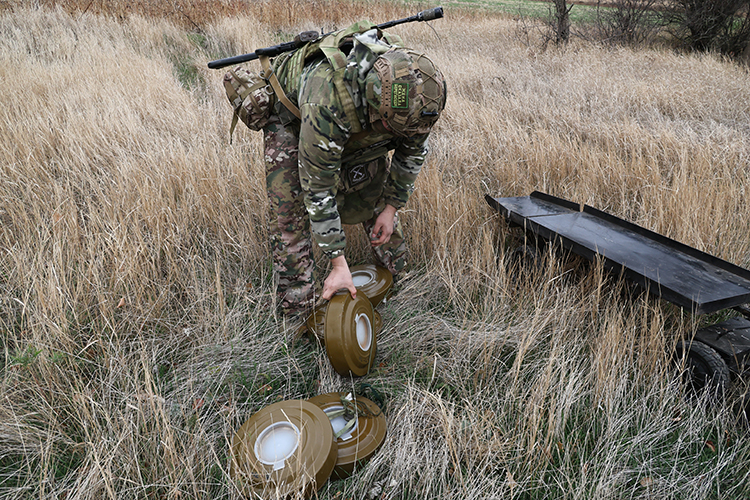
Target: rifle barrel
{"points": [[425, 15], [228, 61]]}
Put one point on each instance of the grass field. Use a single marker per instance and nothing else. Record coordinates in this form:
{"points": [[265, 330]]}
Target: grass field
{"points": [[137, 315]]}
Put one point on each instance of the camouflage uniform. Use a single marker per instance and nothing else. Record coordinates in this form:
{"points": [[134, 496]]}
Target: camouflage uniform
{"points": [[320, 175]]}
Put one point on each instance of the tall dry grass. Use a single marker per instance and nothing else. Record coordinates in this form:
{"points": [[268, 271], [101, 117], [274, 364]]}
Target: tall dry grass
{"points": [[137, 308]]}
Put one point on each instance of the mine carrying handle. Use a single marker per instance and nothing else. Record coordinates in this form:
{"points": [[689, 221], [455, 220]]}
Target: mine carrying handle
{"points": [[311, 36]]}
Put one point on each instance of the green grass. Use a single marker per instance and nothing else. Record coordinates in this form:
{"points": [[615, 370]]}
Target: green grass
{"points": [[515, 8]]}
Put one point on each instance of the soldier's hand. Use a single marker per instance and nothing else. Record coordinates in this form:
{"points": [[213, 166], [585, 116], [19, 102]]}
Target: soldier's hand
{"points": [[383, 228], [339, 278]]}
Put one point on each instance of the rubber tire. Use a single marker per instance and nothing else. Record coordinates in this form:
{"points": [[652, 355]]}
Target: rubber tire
{"points": [[704, 368], [525, 261], [742, 408]]}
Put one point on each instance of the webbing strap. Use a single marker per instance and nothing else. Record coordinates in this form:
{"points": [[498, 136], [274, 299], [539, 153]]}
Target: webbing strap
{"points": [[280, 94], [330, 48], [349, 424], [237, 98], [347, 102], [338, 64], [235, 117]]}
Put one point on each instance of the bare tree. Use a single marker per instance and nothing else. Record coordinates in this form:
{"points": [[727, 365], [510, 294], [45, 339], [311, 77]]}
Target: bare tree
{"points": [[628, 22], [721, 25], [555, 28], [561, 21]]}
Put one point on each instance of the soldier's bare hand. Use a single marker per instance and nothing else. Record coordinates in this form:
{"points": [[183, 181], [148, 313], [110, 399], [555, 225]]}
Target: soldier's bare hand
{"points": [[383, 228], [340, 278]]}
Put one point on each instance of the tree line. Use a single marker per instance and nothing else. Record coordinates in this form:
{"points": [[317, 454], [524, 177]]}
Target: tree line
{"points": [[721, 26]]}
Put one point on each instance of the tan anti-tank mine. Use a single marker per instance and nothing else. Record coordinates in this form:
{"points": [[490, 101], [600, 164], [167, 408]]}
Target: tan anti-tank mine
{"points": [[316, 322], [285, 449], [349, 334], [375, 281], [359, 427]]}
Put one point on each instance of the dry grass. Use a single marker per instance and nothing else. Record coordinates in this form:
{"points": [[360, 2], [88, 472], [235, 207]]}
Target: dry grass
{"points": [[136, 304]]}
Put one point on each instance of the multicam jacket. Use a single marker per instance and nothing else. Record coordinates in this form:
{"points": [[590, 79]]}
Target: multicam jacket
{"points": [[344, 175]]}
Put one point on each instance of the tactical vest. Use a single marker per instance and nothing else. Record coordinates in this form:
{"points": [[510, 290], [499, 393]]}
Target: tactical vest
{"points": [[289, 67]]}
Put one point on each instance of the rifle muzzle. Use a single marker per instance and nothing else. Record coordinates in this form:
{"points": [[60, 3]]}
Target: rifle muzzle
{"points": [[430, 14]]}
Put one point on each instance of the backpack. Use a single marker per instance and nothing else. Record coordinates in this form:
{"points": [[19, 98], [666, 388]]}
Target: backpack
{"points": [[253, 97]]}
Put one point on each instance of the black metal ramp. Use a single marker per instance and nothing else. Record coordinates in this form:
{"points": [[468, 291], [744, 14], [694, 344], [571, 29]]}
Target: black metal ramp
{"points": [[685, 276]]}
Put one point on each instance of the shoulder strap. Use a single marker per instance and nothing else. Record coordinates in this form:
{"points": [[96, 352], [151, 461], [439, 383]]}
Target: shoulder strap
{"points": [[269, 75], [330, 48]]}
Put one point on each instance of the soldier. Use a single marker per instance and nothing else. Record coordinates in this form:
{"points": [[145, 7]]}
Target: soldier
{"points": [[347, 102]]}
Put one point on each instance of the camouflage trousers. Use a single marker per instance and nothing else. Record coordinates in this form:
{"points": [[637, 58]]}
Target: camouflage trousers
{"points": [[291, 239]]}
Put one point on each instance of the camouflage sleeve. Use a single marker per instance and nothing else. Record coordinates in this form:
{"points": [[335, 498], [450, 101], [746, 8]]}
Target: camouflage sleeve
{"points": [[322, 137], [407, 162]]}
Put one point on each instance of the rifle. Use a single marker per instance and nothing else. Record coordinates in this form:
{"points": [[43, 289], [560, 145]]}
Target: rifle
{"points": [[311, 36]]}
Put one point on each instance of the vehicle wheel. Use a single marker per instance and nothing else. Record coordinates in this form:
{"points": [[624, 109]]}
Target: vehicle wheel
{"points": [[742, 407], [704, 368], [525, 260]]}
